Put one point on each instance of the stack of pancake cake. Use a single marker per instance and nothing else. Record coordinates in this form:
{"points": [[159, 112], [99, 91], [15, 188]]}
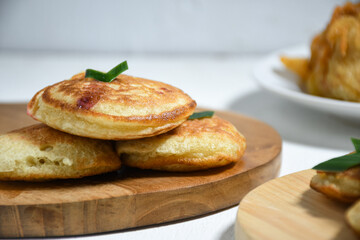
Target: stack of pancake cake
{"points": [[90, 127]]}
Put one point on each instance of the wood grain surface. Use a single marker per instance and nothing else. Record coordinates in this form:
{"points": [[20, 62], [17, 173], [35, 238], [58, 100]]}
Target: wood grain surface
{"points": [[287, 208], [130, 197]]}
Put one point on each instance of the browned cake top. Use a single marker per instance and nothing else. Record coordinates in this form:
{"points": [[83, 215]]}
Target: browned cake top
{"points": [[202, 126], [126, 98]]}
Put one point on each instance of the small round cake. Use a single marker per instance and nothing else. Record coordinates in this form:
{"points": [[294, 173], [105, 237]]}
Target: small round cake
{"points": [[126, 108], [195, 145], [343, 186], [39, 153]]}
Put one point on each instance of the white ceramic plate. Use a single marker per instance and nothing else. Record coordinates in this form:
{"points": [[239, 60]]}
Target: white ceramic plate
{"points": [[274, 77]]}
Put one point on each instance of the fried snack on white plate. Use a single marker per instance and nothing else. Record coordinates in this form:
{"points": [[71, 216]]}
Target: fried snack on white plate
{"points": [[39, 153], [343, 186], [333, 69], [126, 108], [195, 145]]}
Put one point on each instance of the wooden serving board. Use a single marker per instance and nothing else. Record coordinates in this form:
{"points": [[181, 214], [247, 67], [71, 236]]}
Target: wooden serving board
{"points": [[130, 197], [287, 208]]}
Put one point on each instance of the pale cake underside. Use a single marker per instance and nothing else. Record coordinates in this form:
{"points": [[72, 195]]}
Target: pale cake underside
{"points": [[127, 108]]}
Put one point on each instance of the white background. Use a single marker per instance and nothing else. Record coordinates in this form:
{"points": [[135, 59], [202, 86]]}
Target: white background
{"points": [[161, 26]]}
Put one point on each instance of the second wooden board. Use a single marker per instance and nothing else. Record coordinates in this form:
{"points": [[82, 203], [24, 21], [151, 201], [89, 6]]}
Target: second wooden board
{"points": [[287, 208]]}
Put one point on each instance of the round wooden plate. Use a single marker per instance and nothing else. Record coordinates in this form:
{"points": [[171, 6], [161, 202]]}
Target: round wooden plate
{"points": [[287, 208], [131, 197]]}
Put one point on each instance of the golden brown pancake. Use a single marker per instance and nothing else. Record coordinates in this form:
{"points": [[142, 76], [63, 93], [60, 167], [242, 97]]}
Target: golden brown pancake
{"points": [[353, 217], [343, 186], [38, 153], [195, 145], [127, 108], [333, 70]]}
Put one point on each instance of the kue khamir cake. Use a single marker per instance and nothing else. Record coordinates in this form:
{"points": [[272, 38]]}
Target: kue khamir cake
{"points": [[339, 178], [343, 186], [195, 145], [125, 108], [38, 153]]}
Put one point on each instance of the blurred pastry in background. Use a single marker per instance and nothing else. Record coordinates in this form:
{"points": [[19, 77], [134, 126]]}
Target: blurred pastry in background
{"points": [[343, 186], [353, 217], [195, 145], [333, 70]]}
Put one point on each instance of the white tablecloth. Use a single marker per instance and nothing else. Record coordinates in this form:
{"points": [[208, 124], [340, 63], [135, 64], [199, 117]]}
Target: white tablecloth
{"points": [[218, 82]]}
